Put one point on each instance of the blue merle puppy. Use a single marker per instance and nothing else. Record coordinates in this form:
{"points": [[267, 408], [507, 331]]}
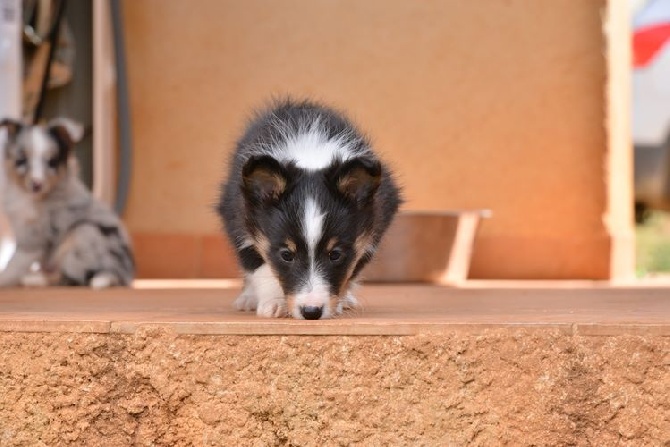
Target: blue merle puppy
{"points": [[57, 223]]}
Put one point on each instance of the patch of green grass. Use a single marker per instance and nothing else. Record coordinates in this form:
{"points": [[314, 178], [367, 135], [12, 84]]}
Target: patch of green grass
{"points": [[652, 240]]}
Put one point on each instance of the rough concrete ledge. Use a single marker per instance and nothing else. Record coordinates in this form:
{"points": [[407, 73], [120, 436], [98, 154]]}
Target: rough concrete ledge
{"points": [[480, 367]]}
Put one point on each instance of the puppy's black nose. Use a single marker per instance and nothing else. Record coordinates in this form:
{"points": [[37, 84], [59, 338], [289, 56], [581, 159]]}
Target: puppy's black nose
{"points": [[311, 312], [36, 186]]}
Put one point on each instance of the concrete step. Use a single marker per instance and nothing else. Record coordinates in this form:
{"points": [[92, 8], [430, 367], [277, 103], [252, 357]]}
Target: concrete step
{"points": [[171, 364]]}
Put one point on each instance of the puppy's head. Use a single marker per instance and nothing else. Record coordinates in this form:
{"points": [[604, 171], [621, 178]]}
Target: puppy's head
{"points": [[36, 157], [312, 227]]}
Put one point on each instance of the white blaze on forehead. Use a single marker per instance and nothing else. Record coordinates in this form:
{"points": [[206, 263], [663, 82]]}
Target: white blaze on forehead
{"points": [[312, 225], [39, 144]]}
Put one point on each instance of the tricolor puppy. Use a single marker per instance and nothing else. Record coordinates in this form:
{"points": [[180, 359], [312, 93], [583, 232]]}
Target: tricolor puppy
{"points": [[56, 221], [305, 204]]}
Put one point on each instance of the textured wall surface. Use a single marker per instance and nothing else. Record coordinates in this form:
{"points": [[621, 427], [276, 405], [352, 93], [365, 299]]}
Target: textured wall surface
{"points": [[503, 387], [498, 104]]}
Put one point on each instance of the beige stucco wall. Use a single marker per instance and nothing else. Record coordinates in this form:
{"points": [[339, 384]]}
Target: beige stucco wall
{"points": [[494, 104]]}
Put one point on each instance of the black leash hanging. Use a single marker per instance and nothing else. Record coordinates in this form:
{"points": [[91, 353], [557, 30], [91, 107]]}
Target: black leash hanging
{"points": [[124, 173], [54, 34]]}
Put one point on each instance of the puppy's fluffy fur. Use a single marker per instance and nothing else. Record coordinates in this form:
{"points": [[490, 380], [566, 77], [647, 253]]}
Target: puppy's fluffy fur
{"points": [[56, 221], [305, 204]]}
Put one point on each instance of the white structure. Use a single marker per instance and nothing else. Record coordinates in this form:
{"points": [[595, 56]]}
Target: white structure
{"points": [[10, 93]]}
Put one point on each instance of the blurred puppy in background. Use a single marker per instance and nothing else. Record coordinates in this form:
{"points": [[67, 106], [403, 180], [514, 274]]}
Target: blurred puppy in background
{"points": [[57, 223]]}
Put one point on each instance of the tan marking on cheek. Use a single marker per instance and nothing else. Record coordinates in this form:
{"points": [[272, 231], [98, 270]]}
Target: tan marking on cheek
{"points": [[360, 246], [345, 284], [263, 246], [332, 304]]}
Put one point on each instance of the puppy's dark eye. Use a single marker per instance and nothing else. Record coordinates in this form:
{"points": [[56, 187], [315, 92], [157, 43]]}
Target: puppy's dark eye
{"points": [[286, 255], [335, 255], [53, 163], [20, 162]]}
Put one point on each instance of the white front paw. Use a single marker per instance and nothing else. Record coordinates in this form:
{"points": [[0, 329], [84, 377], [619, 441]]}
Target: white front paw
{"points": [[101, 282], [247, 301], [34, 279], [268, 297], [275, 308]]}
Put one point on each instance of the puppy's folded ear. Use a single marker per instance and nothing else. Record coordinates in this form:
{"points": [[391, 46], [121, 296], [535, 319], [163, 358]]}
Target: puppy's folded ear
{"points": [[356, 179], [13, 127], [66, 131], [264, 180]]}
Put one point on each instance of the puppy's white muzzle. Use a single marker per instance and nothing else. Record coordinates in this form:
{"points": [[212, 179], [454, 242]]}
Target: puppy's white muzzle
{"points": [[313, 303]]}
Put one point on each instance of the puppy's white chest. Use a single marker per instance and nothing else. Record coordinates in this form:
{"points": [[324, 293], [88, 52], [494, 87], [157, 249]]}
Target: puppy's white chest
{"points": [[28, 221], [20, 208]]}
